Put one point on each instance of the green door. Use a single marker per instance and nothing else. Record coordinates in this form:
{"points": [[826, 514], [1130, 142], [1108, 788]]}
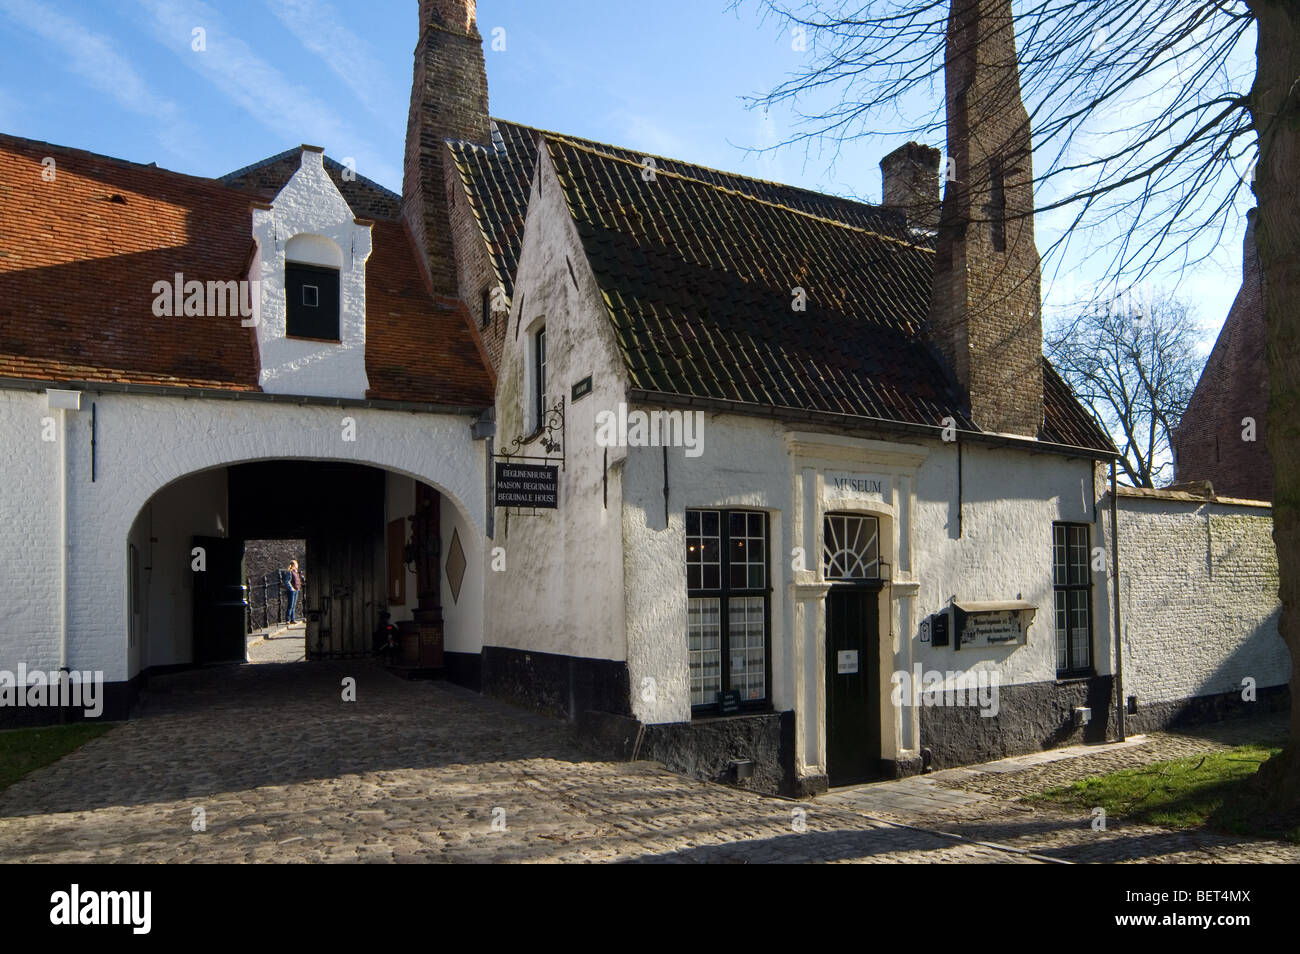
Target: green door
{"points": [[852, 685]]}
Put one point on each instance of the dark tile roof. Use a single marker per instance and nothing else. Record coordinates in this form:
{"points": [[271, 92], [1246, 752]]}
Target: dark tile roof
{"points": [[79, 257], [1065, 421], [697, 269], [698, 279]]}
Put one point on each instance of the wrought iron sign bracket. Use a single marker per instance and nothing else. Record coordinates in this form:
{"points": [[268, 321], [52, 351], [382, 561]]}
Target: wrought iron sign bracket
{"points": [[550, 435]]}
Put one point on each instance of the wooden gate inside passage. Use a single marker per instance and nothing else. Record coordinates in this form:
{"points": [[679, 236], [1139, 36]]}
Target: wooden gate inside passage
{"points": [[347, 588], [339, 509]]}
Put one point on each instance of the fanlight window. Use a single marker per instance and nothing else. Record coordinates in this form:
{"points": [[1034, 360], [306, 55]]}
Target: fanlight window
{"points": [[851, 547]]}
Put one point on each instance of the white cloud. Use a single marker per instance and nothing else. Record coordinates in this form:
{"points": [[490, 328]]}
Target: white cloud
{"points": [[318, 27], [251, 83], [96, 59]]}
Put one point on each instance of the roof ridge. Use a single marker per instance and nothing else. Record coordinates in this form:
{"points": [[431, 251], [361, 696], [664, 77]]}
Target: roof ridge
{"points": [[293, 150], [686, 162], [736, 192], [117, 160]]}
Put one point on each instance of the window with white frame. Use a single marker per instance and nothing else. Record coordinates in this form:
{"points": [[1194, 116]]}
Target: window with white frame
{"points": [[1072, 585], [728, 607]]}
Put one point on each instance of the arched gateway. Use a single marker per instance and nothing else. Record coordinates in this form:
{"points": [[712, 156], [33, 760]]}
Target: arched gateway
{"points": [[360, 481]]}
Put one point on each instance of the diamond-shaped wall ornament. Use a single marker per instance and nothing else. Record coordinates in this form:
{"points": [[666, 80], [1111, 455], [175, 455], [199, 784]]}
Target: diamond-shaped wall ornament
{"points": [[456, 565]]}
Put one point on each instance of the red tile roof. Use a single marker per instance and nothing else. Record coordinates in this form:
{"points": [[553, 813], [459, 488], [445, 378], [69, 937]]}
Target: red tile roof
{"points": [[79, 257]]}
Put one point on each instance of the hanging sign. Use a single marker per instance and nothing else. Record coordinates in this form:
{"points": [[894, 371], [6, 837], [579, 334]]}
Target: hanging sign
{"points": [[527, 485]]}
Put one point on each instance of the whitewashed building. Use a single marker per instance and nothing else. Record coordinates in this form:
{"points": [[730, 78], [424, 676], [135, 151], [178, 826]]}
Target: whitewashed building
{"points": [[770, 485]]}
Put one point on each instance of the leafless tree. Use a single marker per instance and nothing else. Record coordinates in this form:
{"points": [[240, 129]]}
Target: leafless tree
{"points": [[1134, 366], [1193, 131]]}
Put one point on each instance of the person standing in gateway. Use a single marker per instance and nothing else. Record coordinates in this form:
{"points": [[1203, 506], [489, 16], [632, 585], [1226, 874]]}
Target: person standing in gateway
{"points": [[295, 584]]}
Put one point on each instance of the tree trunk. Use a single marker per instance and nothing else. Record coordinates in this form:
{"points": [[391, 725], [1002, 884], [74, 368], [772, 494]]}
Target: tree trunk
{"points": [[1275, 108]]}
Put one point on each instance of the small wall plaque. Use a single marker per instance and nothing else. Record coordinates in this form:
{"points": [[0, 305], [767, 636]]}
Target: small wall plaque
{"points": [[581, 389]]}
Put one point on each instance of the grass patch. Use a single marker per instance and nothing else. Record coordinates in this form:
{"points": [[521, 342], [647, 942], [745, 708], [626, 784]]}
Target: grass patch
{"points": [[25, 750], [1213, 791]]}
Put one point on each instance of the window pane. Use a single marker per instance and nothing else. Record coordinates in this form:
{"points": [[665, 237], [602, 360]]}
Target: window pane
{"points": [[747, 647], [692, 523], [1078, 556], [1079, 648], [709, 523], [1059, 575], [851, 548], [1062, 629], [704, 645]]}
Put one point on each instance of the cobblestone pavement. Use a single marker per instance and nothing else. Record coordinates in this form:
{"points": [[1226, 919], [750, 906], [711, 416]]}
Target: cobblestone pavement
{"points": [[284, 770], [983, 805]]}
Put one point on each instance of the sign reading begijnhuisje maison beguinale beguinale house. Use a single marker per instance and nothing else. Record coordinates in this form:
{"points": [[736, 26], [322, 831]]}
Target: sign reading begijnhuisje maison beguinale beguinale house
{"points": [[527, 485]]}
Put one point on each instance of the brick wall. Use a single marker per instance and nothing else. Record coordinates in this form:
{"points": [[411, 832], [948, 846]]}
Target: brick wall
{"points": [[1198, 581], [985, 312], [449, 100], [1209, 443], [475, 271], [911, 183]]}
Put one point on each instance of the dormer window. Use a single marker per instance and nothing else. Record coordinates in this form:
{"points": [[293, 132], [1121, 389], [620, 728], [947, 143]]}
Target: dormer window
{"points": [[312, 301], [310, 262]]}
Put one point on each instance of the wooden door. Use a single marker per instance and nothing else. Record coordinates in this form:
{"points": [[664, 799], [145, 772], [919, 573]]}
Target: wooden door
{"points": [[852, 685]]}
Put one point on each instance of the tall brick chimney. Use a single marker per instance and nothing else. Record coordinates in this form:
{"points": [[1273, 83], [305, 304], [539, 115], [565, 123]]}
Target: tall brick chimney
{"points": [[985, 311], [449, 100], [911, 184]]}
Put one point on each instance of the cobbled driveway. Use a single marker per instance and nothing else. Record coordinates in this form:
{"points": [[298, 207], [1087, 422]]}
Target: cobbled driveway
{"points": [[283, 769]]}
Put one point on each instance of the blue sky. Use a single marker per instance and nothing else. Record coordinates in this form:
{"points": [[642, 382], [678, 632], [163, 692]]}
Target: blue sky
{"points": [[121, 77]]}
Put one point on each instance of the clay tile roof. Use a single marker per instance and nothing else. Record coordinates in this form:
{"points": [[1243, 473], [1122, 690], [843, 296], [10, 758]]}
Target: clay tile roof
{"points": [[417, 348], [79, 257], [698, 278], [697, 271]]}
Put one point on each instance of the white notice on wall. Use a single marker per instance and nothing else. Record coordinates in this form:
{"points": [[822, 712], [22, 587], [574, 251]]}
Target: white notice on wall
{"points": [[847, 662]]}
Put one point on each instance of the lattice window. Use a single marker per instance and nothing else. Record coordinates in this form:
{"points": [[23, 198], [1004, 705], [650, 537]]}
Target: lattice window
{"points": [[851, 547]]}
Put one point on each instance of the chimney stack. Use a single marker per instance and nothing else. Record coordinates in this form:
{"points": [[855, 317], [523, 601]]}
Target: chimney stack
{"points": [[986, 307], [911, 184], [449, 100]]}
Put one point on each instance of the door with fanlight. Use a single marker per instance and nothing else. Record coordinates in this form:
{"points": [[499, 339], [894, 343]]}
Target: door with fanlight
{"points": [[851, 564]]}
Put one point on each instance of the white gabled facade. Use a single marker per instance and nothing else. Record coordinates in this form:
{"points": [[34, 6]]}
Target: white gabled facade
{"points": [[310, 222], [542, 599]]}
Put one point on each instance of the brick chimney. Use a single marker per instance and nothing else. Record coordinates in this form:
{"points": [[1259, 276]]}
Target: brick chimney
{"points": [[986, 306], [911, 184], [449, 100]]}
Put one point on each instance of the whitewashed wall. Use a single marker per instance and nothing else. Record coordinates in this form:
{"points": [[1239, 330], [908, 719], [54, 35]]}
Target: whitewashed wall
{"points": [[562, 589], [1200, 598], [311, 222], [1004, 551], [146, 443], [163, 535]]}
